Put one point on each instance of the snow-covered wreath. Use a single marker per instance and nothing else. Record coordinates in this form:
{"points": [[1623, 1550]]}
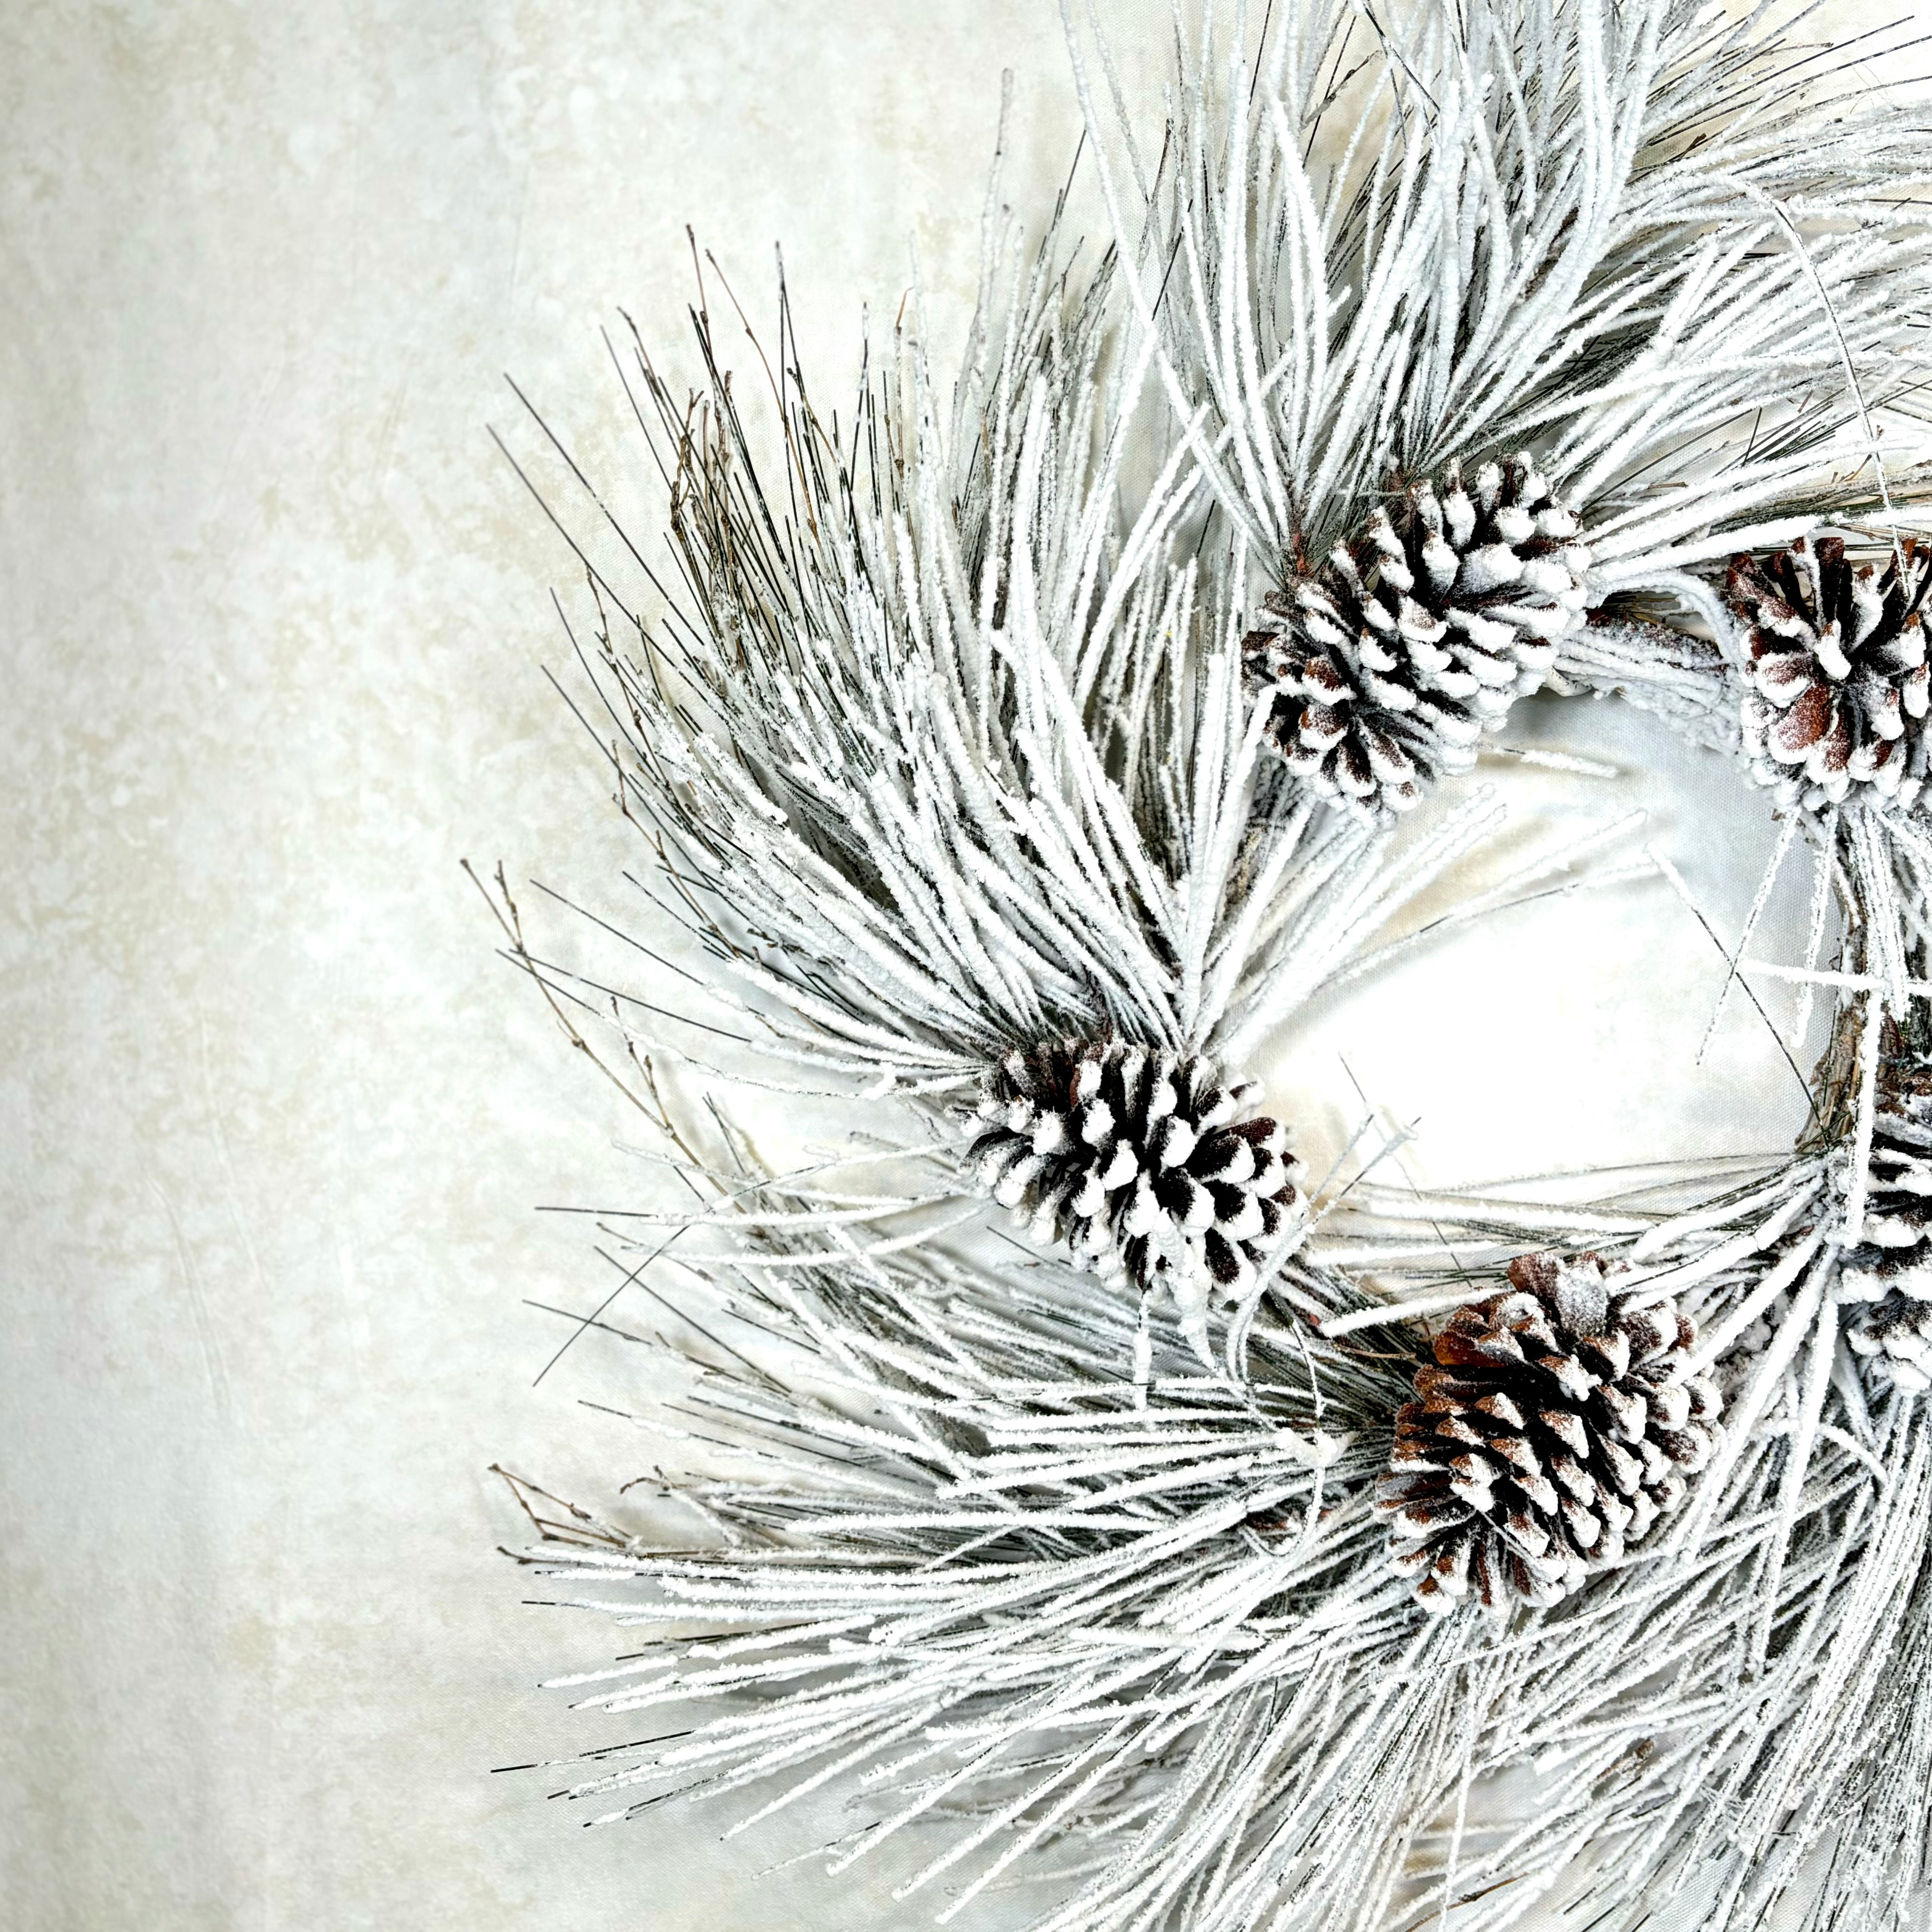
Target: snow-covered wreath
{"points": [[1013, 755]]}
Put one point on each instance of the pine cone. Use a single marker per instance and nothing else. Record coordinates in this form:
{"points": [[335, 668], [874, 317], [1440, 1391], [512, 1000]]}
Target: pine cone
{"points": [[1137, 1161], [1390, 661], [1890, 1271], [1554, 1428], [1893, 1338], [1839, 688]]}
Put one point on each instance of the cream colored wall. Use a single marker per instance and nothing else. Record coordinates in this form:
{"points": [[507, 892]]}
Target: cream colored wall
{"points": [[273, 1118]]}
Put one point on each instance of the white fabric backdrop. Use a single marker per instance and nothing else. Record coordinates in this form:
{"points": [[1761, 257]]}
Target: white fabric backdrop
{"points": [[275, 1117]]}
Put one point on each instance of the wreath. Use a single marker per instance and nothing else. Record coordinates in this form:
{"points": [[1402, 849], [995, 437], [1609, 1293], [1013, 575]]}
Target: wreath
{"points": [[1072, 1474]]}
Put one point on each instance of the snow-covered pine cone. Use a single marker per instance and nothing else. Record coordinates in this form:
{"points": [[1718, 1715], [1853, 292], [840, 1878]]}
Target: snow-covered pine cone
{"points": [[1390, 660], [1555, 1426], [1893, 1336], [1888, 1275], [1137, 1160], [1838, 685]]}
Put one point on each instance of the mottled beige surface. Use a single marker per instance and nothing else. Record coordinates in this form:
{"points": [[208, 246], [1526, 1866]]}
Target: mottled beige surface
{"points": [[275, 1118]]}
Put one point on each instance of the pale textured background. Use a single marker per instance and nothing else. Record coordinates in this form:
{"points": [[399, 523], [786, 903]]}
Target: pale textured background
{"points": [[275, 1118]]}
